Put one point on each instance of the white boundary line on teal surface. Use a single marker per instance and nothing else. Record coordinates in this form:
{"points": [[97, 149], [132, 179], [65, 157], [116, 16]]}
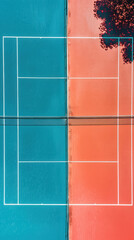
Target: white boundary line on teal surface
{"points": [[43, 78], [17, 124], [3, 122]]}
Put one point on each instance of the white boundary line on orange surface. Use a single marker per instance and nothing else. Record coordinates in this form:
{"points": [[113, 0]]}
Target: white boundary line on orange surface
{"points": [[118, 150], [132, 99]]}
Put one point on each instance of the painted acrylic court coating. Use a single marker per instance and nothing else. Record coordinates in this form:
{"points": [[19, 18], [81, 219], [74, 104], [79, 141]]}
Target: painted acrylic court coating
{"points": [[66, 126]]}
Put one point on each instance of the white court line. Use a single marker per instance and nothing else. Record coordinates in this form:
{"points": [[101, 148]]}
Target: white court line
{"points": [[67, 51], [99, 204], [35, 204], [3, 123], [43, 77], [35, 37], [84, 78], [17, 124], [66, 204], [67, 161], [118, 100], [68, 142], [132, 128], [61, 37]]}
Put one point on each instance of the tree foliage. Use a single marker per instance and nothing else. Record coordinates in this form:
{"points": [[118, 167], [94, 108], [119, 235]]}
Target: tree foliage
{"points": [[117, 21]]}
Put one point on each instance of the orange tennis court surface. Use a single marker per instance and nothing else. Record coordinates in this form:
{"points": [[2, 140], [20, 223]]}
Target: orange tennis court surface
{"points": [[100, 144]]}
